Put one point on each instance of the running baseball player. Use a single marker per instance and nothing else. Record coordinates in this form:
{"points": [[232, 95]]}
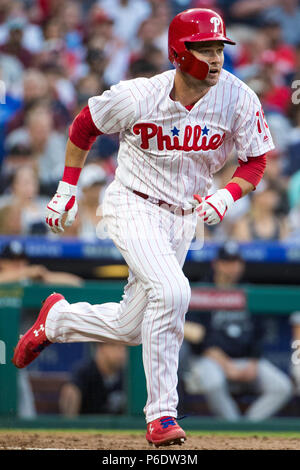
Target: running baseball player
{"points": [[176, 130]]}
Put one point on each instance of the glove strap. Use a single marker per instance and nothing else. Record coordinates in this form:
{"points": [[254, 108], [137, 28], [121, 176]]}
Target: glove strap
{"points": [[66, 189], [225, 194]]}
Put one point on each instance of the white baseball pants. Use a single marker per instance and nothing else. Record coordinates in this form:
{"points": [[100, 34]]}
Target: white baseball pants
{"points": [[154, 243]]}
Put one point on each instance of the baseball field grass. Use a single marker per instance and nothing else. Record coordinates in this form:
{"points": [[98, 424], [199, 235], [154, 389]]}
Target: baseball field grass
{"points": [[95, 439]]}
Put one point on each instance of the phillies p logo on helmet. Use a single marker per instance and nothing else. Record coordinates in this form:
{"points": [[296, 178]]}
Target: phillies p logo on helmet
{"points": [[194, 25], [216, 21]]}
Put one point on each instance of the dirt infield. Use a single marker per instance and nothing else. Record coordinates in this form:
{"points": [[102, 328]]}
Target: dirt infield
{"points": [[136, 441]]}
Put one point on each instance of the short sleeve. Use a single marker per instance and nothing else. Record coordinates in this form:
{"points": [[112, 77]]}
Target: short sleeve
{"points": [[251, 132], [114, 110]]}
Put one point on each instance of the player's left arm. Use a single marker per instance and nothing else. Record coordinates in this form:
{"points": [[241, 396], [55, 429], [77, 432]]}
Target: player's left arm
{"points": [[252, 138], [213, 208]]}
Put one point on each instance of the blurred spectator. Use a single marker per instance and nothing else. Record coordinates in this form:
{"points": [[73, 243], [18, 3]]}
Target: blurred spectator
{"points": [[92, 183], [11, 72], [17, 157], [262, 222], [275, 95], [14, 10], [38, 90], [294, 199], [13, 46], [89, 85], [247, 12], [227, 354], [62, 93], [127, 16], [101, 36], [55, 55], [142, 68], [292, 162], [22, 212], [96, 63], [284, 56], [48, 145], [97, 386], [72, 24], [15, 267], [287, 14], [295, 345]]}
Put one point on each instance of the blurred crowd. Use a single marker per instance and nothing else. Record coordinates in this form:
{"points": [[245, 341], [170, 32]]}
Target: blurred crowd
{"points": [[55, 54]]}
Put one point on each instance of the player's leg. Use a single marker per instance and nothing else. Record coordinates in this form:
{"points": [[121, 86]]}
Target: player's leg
{"points": [[60, 321], [207, 377], [111, 321], [161, 296], [275, 389]]}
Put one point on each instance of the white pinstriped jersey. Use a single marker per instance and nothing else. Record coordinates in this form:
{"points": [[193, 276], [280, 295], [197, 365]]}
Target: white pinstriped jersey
{"points": [[171, 153]]}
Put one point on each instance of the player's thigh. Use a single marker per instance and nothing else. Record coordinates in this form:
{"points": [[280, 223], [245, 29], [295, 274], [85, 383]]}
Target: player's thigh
{"points": [[207, 375], [134, 300], [271, 379], [149, 254], [141, 232], [182, 236]]}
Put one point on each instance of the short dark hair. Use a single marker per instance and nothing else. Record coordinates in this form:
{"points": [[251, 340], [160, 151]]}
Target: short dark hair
{"points": [[230, 251]]}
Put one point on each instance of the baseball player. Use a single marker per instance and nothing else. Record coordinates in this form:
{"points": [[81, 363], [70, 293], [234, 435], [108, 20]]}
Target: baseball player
{"points": [[176, 130]]}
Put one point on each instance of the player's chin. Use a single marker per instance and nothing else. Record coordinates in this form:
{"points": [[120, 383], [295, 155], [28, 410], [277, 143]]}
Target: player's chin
{"points": [[212, 78]]}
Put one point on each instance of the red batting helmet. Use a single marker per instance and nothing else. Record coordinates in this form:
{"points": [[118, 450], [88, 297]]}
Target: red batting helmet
{"points": [[196, 24]]}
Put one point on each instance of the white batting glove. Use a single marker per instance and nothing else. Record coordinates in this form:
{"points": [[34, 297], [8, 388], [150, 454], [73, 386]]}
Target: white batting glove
{"points": [[64, 201], [212, 209]]}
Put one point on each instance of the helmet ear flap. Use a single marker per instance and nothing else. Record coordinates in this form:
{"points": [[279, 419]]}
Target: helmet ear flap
{"points": [[188, 63]]}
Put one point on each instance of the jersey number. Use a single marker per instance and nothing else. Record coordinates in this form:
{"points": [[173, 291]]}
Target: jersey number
{"points": [[261, 123]]}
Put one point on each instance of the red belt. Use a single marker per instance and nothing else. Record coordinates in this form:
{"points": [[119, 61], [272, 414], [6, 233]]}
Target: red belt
{"points": [[175, 209]]}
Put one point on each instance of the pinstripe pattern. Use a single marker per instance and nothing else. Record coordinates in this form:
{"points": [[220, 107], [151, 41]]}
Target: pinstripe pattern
{"points": [[153, 241], [155, 299], [230, 107]]}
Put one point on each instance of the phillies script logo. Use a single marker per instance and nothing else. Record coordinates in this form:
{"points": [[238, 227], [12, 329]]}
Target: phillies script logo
{"points": [[195, 138]]}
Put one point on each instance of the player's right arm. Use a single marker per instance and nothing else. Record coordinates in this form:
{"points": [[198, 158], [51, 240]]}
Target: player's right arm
{"points": [[82, 135], [109, 113]]}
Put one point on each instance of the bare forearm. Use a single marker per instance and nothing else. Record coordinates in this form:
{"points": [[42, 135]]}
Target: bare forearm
{"points": [[55, 277], [218, 355], [70, 400], [75, 157]]}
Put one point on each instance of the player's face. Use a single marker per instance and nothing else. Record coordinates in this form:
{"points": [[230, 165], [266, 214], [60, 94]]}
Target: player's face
{"points": [[231, 270], [211, 52]]}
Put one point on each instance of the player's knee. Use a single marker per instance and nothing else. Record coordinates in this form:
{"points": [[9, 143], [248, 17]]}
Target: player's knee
{"points": [[283, 387], [178, 295], [173, 295]]}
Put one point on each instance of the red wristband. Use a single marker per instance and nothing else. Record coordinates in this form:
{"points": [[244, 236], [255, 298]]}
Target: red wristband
{"points": [[235, 190], [71, 175]]}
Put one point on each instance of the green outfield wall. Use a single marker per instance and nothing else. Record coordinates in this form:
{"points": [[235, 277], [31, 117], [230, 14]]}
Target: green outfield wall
{"points": [[259, 300]]}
